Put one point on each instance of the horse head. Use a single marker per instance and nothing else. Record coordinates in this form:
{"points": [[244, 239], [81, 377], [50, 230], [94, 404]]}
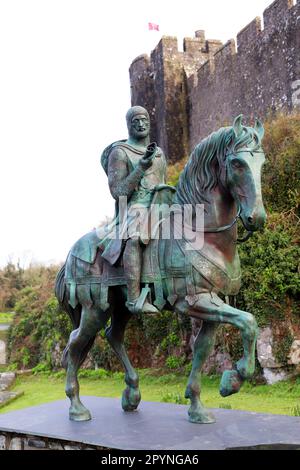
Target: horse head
{"points": [[229, 161], [244, 160]]}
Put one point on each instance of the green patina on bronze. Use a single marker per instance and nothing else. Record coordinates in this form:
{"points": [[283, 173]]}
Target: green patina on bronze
{"points": [[114, 279]]}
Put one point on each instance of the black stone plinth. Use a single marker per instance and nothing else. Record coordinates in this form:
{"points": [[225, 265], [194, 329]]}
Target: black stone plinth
{"points": [[155, 426]]}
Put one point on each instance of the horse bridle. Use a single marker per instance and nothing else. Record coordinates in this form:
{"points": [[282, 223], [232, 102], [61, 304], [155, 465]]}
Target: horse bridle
{"points": [[238, 215], [224, 228], [229, 226]]}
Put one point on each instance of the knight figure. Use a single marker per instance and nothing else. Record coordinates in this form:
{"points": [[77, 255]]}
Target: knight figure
{"points": [[136, 170]]}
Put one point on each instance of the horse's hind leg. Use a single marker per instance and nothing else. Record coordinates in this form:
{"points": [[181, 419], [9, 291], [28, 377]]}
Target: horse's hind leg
{"points": [[115, 335], [204, 343], [79, 344]]}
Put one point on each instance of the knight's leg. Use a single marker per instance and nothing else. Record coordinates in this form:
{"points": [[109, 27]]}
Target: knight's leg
{"points": [[115, 335], [212, 308], [204, 343], [79, 344], [132, 260]]}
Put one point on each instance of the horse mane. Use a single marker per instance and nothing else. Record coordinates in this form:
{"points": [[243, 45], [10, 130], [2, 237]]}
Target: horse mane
{"points": [[202, 171]]}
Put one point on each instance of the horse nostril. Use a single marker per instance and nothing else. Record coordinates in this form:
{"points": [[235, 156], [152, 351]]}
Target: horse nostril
{"points": [[250, 220]]}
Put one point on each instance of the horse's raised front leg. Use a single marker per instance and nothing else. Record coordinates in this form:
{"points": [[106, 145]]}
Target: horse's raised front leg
{"points": [[77, 349], [211, 308], [204, 343], [131, 396]]}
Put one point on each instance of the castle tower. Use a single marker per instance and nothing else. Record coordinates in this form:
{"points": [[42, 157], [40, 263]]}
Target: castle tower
{"points": [[159, 83], [192, 93]]}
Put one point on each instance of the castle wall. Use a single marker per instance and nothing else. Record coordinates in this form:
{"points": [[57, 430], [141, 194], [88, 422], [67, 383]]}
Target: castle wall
{"points": [[190, 94], [142, 88], [257, 79], [159, 83]]}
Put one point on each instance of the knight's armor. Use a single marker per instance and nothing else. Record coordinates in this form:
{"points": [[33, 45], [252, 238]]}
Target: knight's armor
{"points": [[141, 197]]}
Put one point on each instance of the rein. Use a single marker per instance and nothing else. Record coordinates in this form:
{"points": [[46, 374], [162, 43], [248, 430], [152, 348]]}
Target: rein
{"points": [[229, 226], [223, 228]]}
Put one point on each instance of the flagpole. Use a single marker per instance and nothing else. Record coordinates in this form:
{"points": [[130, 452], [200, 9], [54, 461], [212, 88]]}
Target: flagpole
{"points": [[153, 28]]}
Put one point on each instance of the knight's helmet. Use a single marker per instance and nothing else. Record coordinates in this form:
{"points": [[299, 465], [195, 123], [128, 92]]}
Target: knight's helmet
{"points": [[133, 111]]}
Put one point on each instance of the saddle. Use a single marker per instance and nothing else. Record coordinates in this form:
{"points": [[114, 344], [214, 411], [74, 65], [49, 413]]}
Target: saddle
{"points": [[86, 266], [166, 265]]}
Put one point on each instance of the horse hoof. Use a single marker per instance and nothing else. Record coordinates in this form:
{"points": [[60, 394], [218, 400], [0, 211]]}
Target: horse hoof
{"points": [[130, 399], [231, 383], [201, 417], [80, 415], [245, 369]]}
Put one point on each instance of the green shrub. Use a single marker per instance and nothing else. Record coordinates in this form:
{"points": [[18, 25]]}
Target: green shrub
{"points": [[173, 362], [93, 374], [281, 175], [38, 328], [270, 263], [170, 340], [175, 398], [41, 368], [225, 406], [295, 411]]}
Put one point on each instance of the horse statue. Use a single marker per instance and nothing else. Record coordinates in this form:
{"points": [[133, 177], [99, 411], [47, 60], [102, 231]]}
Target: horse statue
{"points": [[223, 173]]}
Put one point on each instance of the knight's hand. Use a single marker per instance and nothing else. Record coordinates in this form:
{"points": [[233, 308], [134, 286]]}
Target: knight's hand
{"points": [[145, 162], [147, 159]]}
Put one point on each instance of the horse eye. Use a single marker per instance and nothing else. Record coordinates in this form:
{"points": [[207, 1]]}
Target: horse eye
{"points": [[236, 164]]}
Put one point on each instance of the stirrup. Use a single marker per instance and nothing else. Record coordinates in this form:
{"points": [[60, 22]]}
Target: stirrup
{"points": [[136, 306]]}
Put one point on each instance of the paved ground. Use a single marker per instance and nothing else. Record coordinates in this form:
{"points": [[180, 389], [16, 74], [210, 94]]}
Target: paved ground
{"points": [[156, 426]]}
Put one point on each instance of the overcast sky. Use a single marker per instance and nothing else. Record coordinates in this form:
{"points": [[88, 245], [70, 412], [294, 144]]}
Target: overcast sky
{"points": [[64, 92]]}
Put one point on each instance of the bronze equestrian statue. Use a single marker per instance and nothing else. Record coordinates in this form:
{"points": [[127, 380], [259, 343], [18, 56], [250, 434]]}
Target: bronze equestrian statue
{"points": [[223, 174]]}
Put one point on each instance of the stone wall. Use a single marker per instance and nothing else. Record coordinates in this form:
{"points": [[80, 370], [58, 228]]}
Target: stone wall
{"points": [[3, 343], [15, 441], [2, 352], [159, 83], [189, 94]]}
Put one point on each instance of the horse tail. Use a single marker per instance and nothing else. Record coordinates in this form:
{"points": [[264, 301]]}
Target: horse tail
{"points": [[74, 314], [60, 284], [60, 293]]}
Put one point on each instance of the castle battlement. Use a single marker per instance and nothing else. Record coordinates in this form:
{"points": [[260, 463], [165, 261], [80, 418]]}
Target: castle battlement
{"points": [[249, 34], [191, 93], [275, 15]]}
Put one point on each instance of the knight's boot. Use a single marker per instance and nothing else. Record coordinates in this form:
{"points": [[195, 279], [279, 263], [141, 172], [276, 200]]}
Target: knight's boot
{"points": [[136, 300]]}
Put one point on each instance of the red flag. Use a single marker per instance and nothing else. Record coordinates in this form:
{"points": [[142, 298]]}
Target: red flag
{"points": [[153, 27]]}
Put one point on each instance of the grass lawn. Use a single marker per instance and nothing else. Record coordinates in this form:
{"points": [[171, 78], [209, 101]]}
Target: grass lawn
{"points": [[280, 398], [6, 317]]}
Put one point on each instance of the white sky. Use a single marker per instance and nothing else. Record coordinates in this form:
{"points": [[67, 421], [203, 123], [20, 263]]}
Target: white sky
{"points": [[64, 92]]}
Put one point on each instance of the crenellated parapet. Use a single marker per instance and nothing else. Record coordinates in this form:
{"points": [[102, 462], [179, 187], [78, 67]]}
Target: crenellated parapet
{"points": [[193, 92], [249, 34], [260, 76], [276, 14], [159, 83], [278, 19]]}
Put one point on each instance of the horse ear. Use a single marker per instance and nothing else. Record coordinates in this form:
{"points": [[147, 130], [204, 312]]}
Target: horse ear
{"points": [[259, 129], [237, 126]]}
